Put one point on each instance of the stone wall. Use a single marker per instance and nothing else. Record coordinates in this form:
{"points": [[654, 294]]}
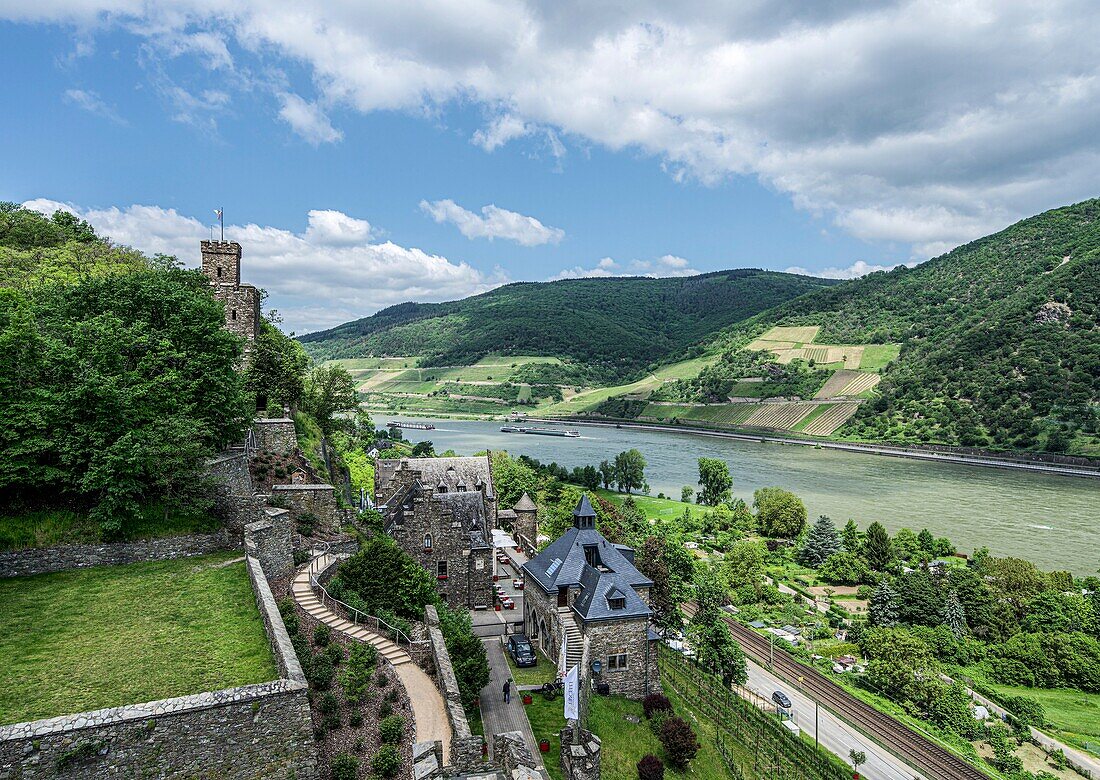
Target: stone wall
{"points": [[252, 732], [276, 434], [234, 503], [317, 500], [465, 747], [611, 637], [42, 560], [221, 261], [269, 542], [580, 759]]}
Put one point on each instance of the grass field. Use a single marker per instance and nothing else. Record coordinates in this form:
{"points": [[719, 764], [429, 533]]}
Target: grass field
{"points": [[543, 672], [48, 527], [654, 508], [716, 414], [803, 335], [113, 635], [624, 742], [877, 356]]}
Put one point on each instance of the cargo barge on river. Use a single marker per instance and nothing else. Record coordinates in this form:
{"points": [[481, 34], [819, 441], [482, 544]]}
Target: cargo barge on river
{"points": [[539, 431]]}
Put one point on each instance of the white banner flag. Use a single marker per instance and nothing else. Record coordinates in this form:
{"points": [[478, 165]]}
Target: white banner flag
{"points": [[572, 695]]}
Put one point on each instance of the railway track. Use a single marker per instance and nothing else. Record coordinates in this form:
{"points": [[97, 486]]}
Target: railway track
{"points": [[915, 749]]}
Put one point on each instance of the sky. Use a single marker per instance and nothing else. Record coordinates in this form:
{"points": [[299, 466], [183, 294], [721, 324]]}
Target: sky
{"points": [[368, 153]]}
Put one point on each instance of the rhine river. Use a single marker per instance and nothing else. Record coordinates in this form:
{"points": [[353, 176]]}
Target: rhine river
{"points": [[1052, 520]]}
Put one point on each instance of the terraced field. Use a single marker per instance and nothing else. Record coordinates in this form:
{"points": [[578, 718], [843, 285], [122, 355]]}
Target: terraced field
{"points": [[831, 419], [781, 416], [799, 335], [861, 384], [848, 383]]}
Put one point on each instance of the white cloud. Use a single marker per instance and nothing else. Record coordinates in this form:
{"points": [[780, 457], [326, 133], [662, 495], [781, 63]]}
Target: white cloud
{"points": [[893, 118], [667, 265], [93, 104], [854, 271], [308, 120], [493, 222], [328, 274]]}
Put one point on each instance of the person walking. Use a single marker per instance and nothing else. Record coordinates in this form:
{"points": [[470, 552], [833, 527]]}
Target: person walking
{"points": [[507, 691]]}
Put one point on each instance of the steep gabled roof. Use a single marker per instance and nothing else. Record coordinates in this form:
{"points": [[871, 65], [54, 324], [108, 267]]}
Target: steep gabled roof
{"points": [[525, 504]]}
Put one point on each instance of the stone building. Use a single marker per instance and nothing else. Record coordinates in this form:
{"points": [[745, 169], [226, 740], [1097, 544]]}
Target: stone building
{"points": [[441, 511], [221, 264], [522, 522], [586, 590]]}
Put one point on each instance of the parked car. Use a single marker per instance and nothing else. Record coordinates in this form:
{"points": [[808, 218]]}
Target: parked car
{"points": [[781, 700], [519, 647]]}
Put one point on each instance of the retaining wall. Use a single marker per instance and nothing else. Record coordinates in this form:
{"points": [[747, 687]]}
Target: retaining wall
{"points": [[251, 732], [42, 560]]}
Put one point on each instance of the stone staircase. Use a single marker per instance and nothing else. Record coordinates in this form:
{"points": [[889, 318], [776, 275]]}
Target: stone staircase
{"points": [[574, 648], [307, 600]]}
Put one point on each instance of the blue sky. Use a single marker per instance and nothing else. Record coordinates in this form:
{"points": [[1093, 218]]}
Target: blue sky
{"points": [[366, 154]]}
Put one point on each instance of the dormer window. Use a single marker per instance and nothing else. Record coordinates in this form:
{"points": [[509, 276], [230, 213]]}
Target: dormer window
{"points": [[616, 603]]}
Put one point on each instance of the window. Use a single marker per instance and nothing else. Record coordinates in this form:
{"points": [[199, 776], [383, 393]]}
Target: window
{"points": [[219, 272], [427, 541], [616, 662], [441, 570], [234, 313]]}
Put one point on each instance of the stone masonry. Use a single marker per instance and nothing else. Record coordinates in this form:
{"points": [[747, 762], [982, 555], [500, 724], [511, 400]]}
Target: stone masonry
{"points": [[465, 747], [317, 500], [252, 732], [640, 677], [269, 541], [221, 264], [42, 560], [275, 434], [580, 759]]}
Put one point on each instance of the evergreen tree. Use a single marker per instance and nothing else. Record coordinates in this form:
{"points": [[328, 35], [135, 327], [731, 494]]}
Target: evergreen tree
{"points": [[954, 616], [877, 547], [850, 536], [821, 542], [883, 610]]}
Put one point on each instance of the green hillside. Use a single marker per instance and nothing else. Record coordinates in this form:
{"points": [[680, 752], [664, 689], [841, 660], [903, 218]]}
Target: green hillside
{"points": [[999, 339], [619, 325]]}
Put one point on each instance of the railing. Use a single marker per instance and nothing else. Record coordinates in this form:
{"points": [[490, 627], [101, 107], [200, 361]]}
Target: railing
{"points": [[318, 566]]}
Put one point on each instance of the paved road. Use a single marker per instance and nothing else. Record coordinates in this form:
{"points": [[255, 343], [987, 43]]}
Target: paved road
{"points": [[835, 735], [498, 717]]}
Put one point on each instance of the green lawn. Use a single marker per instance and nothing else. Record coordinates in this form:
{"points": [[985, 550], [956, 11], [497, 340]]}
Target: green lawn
{"points": [[654, 508], [48, 527], [877, 356], [1075, 715], [544, 672], [624, 742], [112, 635]]}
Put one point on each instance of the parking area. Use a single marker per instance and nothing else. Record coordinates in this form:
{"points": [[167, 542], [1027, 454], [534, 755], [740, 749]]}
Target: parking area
{"points": [[506, 614]]}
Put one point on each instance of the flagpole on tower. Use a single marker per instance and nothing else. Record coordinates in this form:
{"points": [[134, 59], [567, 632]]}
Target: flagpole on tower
{"points": [[221, 223]]}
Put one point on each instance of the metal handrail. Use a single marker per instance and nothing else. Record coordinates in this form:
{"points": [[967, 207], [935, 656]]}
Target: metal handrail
{"points": [[401, 639]]}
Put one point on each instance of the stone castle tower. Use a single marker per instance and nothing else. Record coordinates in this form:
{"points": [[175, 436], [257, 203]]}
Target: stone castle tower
{"points": [[221, 263]]}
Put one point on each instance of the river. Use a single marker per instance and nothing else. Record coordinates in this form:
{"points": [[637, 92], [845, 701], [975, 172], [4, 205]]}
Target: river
{"points": [[1052, 520]]}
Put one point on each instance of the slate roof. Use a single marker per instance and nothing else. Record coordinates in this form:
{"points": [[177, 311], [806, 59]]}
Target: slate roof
{"points": [[468, 509], [563, 563], [525, 504]]}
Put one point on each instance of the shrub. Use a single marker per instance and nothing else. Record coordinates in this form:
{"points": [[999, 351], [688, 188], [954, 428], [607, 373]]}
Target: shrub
{"points": [[329, 704], [651, 768], [655, 702], [363, 656], [392, 729], [322, 635], [679, 741], [385, 709], [360, 744], [355, 720], [321, 672], [382, 679], [335, 654], [300, 557], [345, 767], [391, 696], [290, 616], [387, 761]]}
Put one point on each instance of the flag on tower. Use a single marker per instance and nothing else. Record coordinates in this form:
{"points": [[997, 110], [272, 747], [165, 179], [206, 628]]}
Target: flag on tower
{"points": [[221, 223]]}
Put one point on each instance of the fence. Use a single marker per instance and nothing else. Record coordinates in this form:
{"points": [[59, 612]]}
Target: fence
{"points": [[750, 740], [319, 564]]}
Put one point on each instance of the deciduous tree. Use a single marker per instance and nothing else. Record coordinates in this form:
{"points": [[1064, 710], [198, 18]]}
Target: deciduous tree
{"points": [[779, 512], [715, 481]]}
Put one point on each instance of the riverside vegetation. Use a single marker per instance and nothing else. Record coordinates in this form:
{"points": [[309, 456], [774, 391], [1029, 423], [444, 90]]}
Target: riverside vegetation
{"points": [[993, 345]]}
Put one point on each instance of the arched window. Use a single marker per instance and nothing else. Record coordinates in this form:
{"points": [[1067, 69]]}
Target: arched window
{"points": [[427, 541]]}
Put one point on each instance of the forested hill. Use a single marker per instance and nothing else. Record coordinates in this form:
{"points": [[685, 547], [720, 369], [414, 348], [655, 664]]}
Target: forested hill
{"points": [[1000, 345], [621, 324]]}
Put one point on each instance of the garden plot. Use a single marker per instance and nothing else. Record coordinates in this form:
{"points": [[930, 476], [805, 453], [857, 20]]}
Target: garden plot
{"points": [[769, 346], [831, 419], [799, 335], [779, 415]]}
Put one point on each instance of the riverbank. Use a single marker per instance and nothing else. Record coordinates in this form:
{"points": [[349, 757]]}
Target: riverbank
{"points": [[897, 451]]}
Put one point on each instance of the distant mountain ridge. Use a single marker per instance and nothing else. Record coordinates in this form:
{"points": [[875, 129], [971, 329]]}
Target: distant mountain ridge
{"points": [[621, 324]]}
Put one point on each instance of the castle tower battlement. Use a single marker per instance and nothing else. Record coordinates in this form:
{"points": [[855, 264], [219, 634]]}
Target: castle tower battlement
{"points": [[221, 264]]}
